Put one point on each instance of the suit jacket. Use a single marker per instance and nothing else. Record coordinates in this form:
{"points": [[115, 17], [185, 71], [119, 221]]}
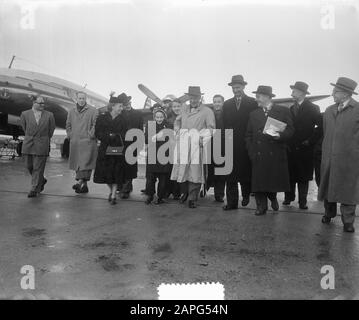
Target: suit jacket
{"points": [[307, 124], [238, 120], [37, 136]]}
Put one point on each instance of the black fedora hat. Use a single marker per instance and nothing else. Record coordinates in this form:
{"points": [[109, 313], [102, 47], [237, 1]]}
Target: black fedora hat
{"points": [[194, 91], [267, 90], [300, 85], [346, 84], [124, 98], [237, 79], [114, 100]]}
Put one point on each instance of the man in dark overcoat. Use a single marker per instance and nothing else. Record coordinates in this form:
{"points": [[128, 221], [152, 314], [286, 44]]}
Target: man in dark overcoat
{"points": [[235, 116], [339, 181], [133, 120], [268, 152], [306, 120]]}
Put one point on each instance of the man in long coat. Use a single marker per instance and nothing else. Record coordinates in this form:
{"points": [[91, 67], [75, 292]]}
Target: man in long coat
{"points": [[134, 120], [268, 152], [235, 116], [306, 120], [80, 128], [189, 168], [340, 155], [38, 125]]}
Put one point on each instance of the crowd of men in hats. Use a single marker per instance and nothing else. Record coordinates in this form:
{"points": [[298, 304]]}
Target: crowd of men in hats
{"points": [[264, 162]]}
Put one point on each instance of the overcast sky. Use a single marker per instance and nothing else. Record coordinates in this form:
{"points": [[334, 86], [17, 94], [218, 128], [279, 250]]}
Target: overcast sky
{"points": [[169, 45]]}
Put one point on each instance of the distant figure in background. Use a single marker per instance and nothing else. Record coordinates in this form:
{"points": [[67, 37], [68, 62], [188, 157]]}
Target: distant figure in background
{"points": [[213, 180], [134, 120], [317, 152], [306, 117], [80, 128], [157, 170], [167, 104], [38, 125], [235, 116], [111, 130], [174, 187], [268, 151], [339, 181]]}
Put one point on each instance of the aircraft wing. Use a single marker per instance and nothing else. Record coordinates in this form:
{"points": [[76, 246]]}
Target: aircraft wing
{"points": [[290, 101]]}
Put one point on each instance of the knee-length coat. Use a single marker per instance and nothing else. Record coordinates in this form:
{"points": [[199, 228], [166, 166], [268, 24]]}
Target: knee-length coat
{"points": [[237, 120], [80, 128], [269, 156], [110, 131], [339, 180], [189, 155], [306, 128]]}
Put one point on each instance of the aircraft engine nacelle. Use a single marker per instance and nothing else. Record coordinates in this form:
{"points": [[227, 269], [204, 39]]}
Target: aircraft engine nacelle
{"points": [[7, 128]]}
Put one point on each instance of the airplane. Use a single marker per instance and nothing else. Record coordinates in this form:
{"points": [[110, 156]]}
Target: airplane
{"points": [[16, 87]]}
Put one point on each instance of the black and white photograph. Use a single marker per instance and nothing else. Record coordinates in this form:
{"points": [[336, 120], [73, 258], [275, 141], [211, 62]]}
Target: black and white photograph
{"points": [[179, 150]]}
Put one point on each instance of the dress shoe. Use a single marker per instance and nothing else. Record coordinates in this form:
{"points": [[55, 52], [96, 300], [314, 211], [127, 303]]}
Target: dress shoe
{"points": [[32, 194], [191, 204], [286, 202], [245, 201], [303, 206], [326, 219], [348, 227], [110, 197], [113, 201], [149, 199], [183, 197], [227, 207], [159, 201], [82, 189], [218, 199], [275, 205], [43, 185], [260, 212], [76, 186]]}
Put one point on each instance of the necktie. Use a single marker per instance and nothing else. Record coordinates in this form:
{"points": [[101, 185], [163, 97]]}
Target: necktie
{"points": [[340, 107], [265, 109], [37, 117], [238, 103], [296, 108]]}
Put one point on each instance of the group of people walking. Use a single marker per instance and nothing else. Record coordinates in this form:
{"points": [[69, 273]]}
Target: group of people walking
{"points": [[275, 148]]}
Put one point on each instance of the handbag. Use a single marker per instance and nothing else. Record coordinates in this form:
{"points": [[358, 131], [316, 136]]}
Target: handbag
{"points": [[115, 151]]}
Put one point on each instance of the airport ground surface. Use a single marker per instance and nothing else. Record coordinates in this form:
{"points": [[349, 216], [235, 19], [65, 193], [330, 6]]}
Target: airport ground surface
{"points": [[82, 247]]}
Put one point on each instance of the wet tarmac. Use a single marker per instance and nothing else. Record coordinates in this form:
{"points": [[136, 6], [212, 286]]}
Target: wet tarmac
{"points": [[83, 248]]}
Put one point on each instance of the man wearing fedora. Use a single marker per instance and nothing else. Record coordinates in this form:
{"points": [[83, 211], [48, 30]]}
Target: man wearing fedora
{"points": [[196, 123], [235, 116], [339, 182], [268, 152], [134, 120], [306, 121]]}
